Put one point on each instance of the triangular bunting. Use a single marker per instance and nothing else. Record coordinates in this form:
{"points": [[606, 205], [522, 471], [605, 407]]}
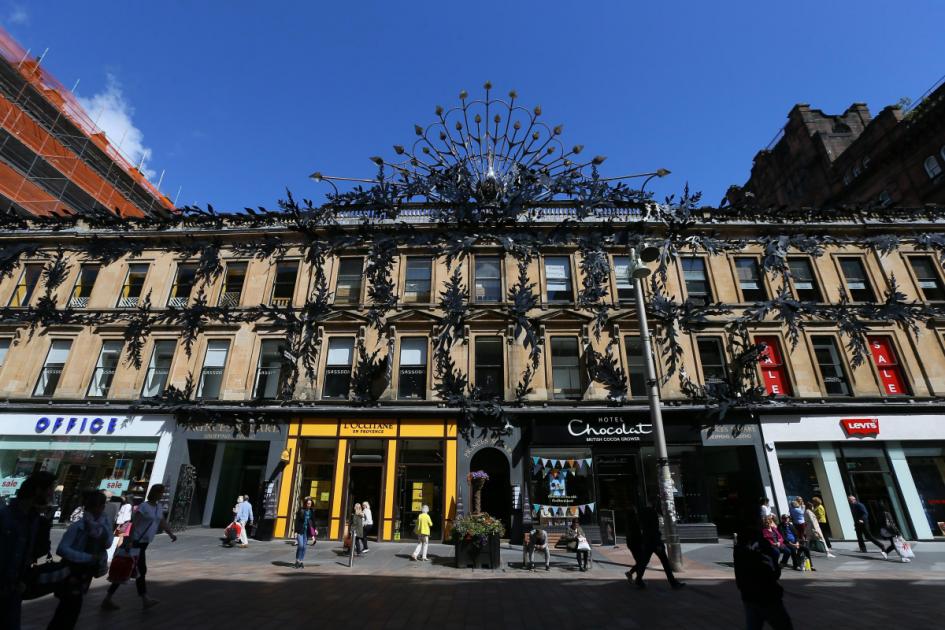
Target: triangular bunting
{"points": [[590, 506]]}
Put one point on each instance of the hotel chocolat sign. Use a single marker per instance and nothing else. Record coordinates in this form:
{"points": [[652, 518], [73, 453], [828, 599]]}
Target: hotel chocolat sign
{"points": [[591, 430]]}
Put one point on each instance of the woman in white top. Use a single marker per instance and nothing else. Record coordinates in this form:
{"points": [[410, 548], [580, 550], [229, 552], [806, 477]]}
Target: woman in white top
{"points": [[368, 522]]}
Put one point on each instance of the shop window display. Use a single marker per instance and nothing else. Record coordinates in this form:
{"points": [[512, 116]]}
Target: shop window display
{"points": [[562, 487], [420, 483], [317, 463], [928, 470]]}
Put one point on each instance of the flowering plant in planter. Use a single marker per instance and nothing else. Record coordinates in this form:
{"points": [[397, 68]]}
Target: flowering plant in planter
{"points": [[477, 475], [477, 479], [476, 529]]}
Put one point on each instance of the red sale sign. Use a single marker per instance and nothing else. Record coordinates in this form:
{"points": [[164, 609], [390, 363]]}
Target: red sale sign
{"points": [[773, 369], [887, 364], [860, 426]]}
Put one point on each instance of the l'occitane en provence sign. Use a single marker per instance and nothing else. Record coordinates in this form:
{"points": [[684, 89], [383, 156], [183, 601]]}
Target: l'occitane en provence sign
{"points": [[368, 429]]}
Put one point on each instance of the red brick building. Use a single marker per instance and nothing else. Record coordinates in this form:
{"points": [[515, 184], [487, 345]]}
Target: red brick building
{"points": [[821, 159]]}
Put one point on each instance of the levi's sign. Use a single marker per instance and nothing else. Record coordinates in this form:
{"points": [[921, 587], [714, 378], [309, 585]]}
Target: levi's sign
{"points": [[860, 426]]}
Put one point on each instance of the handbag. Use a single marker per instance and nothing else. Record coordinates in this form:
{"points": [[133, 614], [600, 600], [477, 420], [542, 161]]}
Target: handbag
{"points": [[312, 532], [42, 579]]}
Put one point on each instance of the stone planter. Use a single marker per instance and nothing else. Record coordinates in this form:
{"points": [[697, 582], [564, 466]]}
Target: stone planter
{"points": [[485, 557]]}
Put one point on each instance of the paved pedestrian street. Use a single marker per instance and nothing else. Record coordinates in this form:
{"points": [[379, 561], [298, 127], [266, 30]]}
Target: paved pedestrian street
{"points": [[202, 585]]}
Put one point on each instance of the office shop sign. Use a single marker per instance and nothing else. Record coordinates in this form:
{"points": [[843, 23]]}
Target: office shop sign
{"points": [[75, 425], [599, 430]]}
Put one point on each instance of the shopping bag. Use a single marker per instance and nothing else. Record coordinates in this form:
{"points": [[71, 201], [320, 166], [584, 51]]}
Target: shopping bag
{"points": [[123, 564], [818, 545], [903, 548], [43, 579]]}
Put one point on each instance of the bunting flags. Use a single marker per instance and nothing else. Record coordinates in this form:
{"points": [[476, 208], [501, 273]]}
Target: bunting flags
{"points": [[559, 510], [566, 464]]}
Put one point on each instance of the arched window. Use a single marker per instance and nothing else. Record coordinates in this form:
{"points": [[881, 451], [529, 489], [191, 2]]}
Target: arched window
{"points": [[932, 168]]}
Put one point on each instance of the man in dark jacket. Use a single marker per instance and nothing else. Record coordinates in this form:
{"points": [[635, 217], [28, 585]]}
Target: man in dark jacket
{"points": [[861, 522], [24, 537], [756, 575], [652, 544]]}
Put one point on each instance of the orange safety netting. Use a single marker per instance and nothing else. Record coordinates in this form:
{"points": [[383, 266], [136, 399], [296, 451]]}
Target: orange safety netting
{"points": [[63, 99], [28, 195]]}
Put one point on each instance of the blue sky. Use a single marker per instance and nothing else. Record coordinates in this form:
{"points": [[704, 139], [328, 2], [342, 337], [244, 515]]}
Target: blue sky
{"points": [[238, 100]]}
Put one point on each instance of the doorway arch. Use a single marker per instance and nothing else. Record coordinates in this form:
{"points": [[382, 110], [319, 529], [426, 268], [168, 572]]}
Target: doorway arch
{"points": [[497, 493]]}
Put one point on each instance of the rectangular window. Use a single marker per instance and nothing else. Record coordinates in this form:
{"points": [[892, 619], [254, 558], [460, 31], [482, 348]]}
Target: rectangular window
{"points": [[211, 376], [930, 282], [750, 281], [886, 360], [269, 370], [83, 286], [636, 365], [26, 285], [134, 285], [773, 370], [558, 279], [419, 274], [712, 357], [283, 287], [159, 368], [105, 368], [338, 368], [488, 280], [413, 368], [831, 365], [348, 284], [4, 348], [625, 292], [858, 284], [52, 368], [233, 280], [805, 283], [490, 367], [183, 286], [698, 290], [566, 368]]}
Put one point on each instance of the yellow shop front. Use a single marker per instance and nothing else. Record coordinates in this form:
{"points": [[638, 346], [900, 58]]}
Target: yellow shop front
{"points": [[395, 465]]}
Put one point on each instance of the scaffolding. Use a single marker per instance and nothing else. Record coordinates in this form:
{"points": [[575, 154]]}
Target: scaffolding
{"points": [[53, 157]]}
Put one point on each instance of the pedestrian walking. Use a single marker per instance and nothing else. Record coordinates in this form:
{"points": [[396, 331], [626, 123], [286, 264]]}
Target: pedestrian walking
{"points": [[304, 529], [634, 540], [757, 572], [357, 529], [244, 516], [861, 522], [84, 547], [652, 541], [148, 521], [112, 508], [423, 528], [368, 523], [821, 513], [815, 535], [797, 517], [537, 540], [24, 538], [890, 530], [774, 537]]}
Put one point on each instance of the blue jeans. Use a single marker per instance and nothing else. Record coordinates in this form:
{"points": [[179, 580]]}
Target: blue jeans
{"points": [[300, 550]]}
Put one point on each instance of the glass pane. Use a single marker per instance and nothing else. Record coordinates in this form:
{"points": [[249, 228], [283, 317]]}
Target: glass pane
{"points": [[636, 366], [340, 350], [488, 283], [216, 353], [413, 351], [4, 348], [58, 352]]}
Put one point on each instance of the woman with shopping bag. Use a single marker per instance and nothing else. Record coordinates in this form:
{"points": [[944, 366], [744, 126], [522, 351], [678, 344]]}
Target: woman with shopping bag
{"points": [[890, 531], [814, 534]]}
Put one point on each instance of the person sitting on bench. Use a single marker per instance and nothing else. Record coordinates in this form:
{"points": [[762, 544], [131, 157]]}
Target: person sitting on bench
{"points": [[537, 540]]}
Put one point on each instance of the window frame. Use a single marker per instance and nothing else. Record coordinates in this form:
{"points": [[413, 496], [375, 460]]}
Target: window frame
{"points": [[151, 366], [706, 278], [355, 299], [644, 388], [430, 288], [937, 276], [82, 301], [717, 340], [223, 300], [290, 299], [329, 366], [579, 367], [181, 301], [898, 365], [500, 392], [784, 365], [203, 368], [130, 301], [45, 365], [257, 374], [500, 278], [867, 280], [546, 295], [815, 280], [426, 368], [104, 392], [932, 167], [30, 291], [761, 279], [630, 288], [835, 349]]}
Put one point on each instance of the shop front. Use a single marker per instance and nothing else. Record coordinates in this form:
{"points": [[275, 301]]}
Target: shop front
{"points": [[122, 454], [891, 463], [395, 465], [597, 468]]}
